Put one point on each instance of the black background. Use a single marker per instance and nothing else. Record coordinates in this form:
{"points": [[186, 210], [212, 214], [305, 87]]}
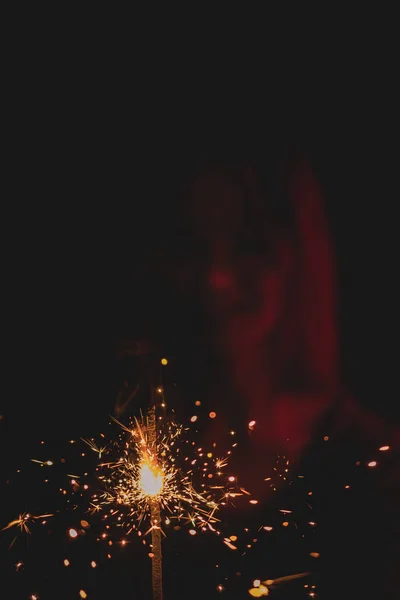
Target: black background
{"points": [[95, 157]]}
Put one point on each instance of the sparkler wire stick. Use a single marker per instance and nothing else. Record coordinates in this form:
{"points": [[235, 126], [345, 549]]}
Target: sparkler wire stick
{"points": [[156, 567]]}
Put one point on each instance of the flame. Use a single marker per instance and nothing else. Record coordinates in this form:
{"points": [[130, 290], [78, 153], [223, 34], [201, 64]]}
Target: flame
{"points": [[151, 479]]}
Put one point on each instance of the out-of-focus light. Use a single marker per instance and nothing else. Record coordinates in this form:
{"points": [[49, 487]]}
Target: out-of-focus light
{"points": [[197, 403], [66, 562], [164, 361], [73, 533], [193, 419], [83, 594], [384, 448], [251, 424], [212, 415], [373, 463]]}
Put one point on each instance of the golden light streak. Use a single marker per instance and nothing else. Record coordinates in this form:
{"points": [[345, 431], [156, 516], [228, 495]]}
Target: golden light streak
{"points": [[23, 520], [93, 446]]}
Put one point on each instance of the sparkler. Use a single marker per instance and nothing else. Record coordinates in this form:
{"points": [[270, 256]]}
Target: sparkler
{"points": [[151, 476], [151, 482]]}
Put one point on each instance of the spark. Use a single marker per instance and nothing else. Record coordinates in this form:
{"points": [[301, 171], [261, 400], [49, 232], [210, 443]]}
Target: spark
{"points": [[23, 520], [262, 588], [229, 544], [220, 463], [93, 446], [142, 471]]}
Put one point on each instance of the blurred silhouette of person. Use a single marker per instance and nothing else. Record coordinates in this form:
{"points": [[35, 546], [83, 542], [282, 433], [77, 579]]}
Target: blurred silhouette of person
{"points": [[262, 264]]}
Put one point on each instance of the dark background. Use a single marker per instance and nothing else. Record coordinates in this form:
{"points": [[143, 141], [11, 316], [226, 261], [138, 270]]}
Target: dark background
{"points": [[93, 172]]}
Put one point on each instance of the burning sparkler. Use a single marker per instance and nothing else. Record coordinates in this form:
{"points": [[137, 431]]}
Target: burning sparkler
{"points": [[151, 474]]}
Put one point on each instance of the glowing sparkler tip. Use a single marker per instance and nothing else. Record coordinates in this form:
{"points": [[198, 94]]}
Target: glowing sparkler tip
{"points": [[151, 479]]}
